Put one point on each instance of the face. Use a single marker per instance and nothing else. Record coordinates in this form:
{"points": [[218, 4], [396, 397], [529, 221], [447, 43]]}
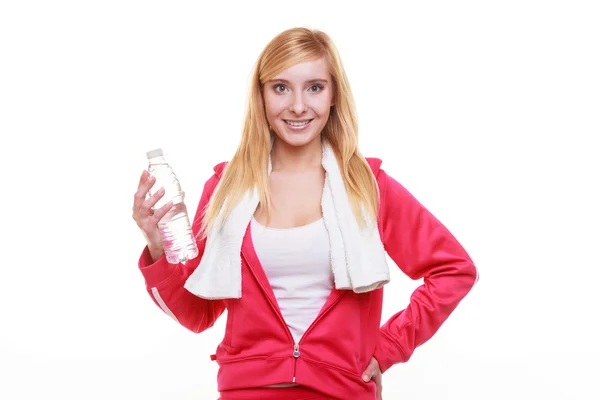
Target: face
{"points": [[298, 101]]}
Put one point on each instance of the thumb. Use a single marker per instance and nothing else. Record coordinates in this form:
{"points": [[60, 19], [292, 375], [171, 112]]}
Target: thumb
{"points": [[368, 374]]}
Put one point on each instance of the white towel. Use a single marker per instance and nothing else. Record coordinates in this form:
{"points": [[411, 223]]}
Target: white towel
{"points": [[358, 259]]}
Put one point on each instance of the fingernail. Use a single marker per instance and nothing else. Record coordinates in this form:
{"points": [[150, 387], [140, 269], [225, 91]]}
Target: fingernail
{"points": [[365, 378]]}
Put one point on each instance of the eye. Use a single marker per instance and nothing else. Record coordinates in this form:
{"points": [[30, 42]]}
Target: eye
{"points": [[316, 88], [279, 88]]}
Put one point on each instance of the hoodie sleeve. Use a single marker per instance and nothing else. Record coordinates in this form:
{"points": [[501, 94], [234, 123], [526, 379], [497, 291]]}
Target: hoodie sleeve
{"points": [[164, 281], [422, 248]]}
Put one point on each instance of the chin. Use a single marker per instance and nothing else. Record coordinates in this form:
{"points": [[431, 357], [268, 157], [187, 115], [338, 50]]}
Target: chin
{"points": [[297, 141]]}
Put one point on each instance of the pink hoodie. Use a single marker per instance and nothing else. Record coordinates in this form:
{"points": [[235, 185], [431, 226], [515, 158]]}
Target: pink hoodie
{"points": [[258, 348]]}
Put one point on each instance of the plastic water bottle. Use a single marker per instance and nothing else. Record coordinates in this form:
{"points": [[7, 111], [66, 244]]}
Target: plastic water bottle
{"points": [[175, 228]]}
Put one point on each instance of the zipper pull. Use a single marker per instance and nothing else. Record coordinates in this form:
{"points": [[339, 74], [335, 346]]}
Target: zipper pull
{"points": [[296, 350]]}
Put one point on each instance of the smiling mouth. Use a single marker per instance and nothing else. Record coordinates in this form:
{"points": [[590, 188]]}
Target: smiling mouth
{"points": [[298, 124]]}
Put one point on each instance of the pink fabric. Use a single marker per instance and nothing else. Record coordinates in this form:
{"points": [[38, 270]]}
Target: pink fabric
{"points": [[287, 393], [257, 348]]}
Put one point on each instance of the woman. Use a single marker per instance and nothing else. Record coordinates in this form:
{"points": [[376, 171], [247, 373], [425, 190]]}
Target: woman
{"points": [[292, 236]]}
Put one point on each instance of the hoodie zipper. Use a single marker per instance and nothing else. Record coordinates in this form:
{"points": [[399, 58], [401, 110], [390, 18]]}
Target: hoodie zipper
{"points": [[296, 355], [310, 327], [296, 352]]}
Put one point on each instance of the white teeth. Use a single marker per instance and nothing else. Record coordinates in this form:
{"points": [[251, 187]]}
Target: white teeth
{"points": [[293, 123]]}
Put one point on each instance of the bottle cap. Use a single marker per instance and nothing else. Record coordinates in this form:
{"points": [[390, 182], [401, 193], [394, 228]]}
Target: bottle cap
{"points": [[154, 153]]}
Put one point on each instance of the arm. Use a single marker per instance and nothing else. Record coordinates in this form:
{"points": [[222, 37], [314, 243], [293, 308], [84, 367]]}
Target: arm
{"points": [[422, 248], [164, 281]]}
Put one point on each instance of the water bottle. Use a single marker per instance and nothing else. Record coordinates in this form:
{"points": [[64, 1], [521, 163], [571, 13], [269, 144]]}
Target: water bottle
{"points": [[175, 228]]}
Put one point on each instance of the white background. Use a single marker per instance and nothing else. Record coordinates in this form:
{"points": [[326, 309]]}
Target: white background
{"points": [[488, 112]]}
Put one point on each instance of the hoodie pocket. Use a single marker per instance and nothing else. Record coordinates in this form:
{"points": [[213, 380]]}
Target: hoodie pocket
{"points": [[331, 366]]}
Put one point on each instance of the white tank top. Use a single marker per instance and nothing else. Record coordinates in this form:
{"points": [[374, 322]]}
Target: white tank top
{"points": [[298, 265]]}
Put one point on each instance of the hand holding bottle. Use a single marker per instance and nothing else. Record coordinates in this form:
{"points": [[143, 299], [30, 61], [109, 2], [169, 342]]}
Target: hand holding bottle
{"points": [[161, 214], [146, 217]]}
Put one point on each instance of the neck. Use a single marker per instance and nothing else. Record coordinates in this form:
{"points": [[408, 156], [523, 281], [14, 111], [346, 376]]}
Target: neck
{"points": [[285, 157]]}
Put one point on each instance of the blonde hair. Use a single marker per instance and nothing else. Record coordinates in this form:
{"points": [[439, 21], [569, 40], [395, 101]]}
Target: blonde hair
{"points": [[248, 169]]}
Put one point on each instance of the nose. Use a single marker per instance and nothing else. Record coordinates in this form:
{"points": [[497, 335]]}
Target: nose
{"points": [[298, 105]]}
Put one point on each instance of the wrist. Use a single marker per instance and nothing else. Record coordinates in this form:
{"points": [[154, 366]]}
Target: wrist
{"points": [[156, 252]]}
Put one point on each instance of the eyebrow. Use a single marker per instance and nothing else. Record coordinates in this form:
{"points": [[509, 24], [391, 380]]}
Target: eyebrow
{"points": [[309, 81]]}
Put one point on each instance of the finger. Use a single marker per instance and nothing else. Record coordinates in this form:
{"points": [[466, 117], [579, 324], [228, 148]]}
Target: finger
{"points": [[142, 192], [141, 214], [368, 374], [160, 213], [151, 201], [371, 369], [143, 177], [146, 208], [141, 195], [146, 182]]}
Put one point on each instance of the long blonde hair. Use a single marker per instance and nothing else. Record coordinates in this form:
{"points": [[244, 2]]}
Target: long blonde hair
{"points": [[248, 169]]}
